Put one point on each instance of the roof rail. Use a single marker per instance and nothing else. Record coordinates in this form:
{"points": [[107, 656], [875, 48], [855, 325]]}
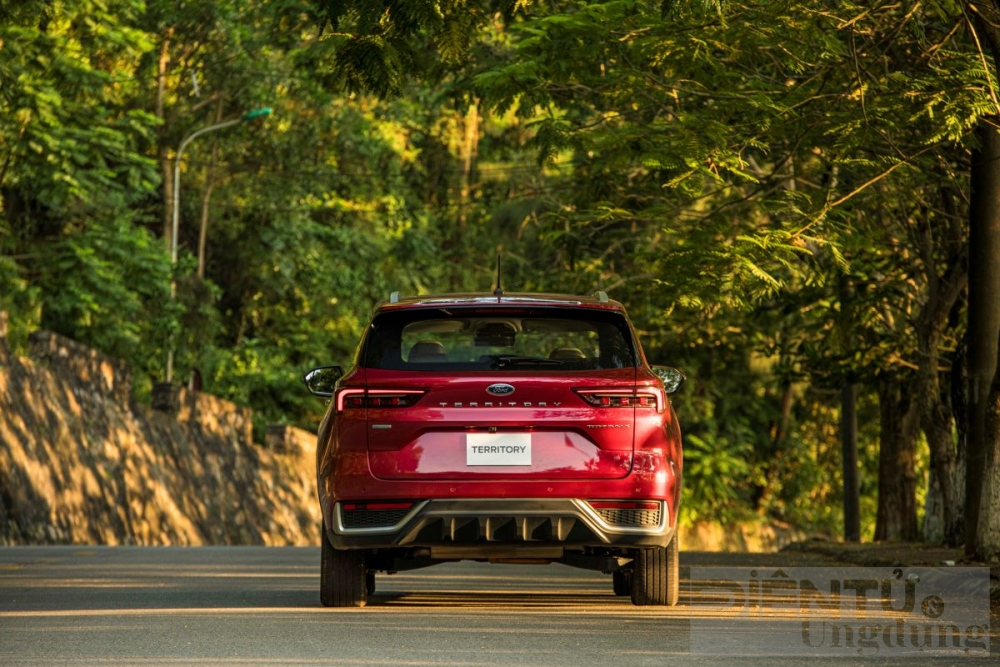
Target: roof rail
{"points": [[601, 296], [394, 297]]}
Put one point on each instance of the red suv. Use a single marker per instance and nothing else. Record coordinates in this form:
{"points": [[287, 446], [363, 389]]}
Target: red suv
{"points": [[509, 428]]}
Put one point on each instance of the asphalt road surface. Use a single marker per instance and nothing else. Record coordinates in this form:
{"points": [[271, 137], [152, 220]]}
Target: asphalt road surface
{"points": [[239, 606]]}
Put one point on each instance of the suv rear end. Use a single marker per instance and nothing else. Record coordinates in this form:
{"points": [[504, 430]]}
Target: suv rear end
{"points": [[521, 428]]}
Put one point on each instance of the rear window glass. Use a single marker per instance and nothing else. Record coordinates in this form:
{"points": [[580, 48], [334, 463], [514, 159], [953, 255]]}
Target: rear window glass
{"points": [[523, 339]]}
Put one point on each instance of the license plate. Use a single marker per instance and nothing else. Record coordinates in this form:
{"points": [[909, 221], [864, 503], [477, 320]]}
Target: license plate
{"points": [[498, 449]]}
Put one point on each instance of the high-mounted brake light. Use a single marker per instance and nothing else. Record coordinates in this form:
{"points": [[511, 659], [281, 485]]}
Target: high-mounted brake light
{"points": [[623, 398], [377, 398]]}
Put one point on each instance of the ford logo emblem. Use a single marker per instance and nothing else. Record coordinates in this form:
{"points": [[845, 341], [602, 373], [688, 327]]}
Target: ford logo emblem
{"points": [[500, 389]]}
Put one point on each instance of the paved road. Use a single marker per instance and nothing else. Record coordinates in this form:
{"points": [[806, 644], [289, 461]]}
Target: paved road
{"points": [[237, 606]]}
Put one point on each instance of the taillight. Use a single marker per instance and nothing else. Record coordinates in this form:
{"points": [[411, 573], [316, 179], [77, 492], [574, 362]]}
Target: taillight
{"points": [[623, 398], [377, 398]]}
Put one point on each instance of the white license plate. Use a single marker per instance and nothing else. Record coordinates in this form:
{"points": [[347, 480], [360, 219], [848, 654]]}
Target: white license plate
{"points": [[498, 449]]}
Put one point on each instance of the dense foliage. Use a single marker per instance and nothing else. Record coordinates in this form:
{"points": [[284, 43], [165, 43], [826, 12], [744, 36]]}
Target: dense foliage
{"points": [[777, 191]]}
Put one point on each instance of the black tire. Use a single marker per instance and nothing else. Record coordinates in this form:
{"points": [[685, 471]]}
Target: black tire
{"points": [[621, 582], [370, 583], [342, 581], [656, 575], [674, 571]]}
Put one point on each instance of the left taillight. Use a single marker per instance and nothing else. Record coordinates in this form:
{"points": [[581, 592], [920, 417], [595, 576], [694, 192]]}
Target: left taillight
{"points": [[623, 398], [355, 398]]}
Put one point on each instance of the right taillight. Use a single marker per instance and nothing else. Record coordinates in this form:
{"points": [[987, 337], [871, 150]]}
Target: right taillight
{"points": [[355, 398], [623, 398]]}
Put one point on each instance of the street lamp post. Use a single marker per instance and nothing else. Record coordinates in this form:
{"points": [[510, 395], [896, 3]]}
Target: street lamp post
{"points": [[175, 217]]}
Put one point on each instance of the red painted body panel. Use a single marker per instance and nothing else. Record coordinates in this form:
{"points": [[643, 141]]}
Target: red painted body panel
{"points": [[570, 440]]}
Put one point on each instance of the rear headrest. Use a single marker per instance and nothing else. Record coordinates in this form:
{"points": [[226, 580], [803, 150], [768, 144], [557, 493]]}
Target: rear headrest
{"points": [[567, 353], [427, 351]]}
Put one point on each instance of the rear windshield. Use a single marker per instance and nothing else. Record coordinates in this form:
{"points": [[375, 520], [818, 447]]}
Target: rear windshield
{"points": [[457, 339]]}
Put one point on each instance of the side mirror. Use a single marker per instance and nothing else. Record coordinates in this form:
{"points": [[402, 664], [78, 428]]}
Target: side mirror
{"points": [[322, 381], [672, 378]]}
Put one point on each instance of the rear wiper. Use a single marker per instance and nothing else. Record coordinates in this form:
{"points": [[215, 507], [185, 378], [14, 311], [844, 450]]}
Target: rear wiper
{"points": [[512, 360]]}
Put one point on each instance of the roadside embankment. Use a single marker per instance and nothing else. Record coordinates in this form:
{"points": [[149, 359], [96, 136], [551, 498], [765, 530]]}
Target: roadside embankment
{"points": [[81, 464]]}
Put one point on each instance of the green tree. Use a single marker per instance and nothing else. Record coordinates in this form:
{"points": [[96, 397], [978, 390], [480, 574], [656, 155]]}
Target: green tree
{"points": [[72, 164], [723, 164]]}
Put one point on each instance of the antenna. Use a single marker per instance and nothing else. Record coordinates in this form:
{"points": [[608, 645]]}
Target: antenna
{"points": [[498, 292]]}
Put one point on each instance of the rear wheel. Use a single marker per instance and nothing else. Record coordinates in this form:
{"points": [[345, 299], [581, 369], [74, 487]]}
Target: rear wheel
{"points": [[370, 583], [656, 575], [343, 581]]}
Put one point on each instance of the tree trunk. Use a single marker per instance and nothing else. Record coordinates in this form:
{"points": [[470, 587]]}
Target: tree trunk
{"points": [[897, 480], [944, 509], [958, 381], [944, 265], [849, 458], [937, 426], [849, 414], [984, 331], [944, 518], [987, 545]]}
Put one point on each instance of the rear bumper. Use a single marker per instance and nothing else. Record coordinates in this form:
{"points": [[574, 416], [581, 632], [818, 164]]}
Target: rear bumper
{"points": [[487, 527]]}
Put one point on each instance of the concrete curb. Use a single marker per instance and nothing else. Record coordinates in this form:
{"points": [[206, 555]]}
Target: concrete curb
{"points": [[881, 554], [897, 554]]}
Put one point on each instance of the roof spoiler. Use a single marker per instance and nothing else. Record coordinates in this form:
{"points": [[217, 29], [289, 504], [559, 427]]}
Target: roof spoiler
{"points": [[600, 295]]}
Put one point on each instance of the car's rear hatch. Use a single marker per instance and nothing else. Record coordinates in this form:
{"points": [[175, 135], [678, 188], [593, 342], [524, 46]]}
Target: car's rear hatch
{"points": [[543, 428], [494, 392]]}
